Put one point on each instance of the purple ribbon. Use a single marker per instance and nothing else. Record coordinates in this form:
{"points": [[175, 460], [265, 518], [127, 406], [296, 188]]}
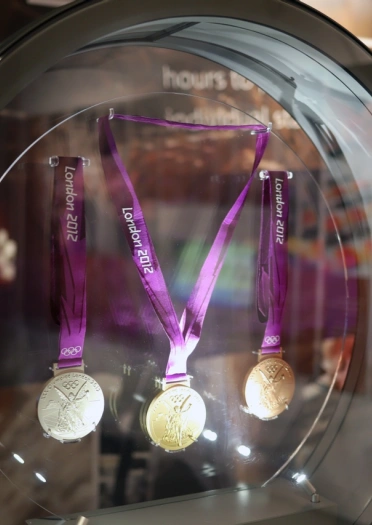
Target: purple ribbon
{"points": [[68, 262], [183, 335], [272, 267]]}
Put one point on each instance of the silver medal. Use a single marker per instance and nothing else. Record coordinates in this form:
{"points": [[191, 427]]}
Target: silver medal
{"points": [[70, 406]]}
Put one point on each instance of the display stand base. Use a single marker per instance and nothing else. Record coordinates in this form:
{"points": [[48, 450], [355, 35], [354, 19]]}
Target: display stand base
{"points": [[280, 503]]}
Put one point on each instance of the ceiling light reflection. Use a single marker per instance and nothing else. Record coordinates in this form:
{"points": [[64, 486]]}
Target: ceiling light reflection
{"points": [[18, 458], [210, 435], [139, 398], [243, 450], [40, 477], [300, 478]]}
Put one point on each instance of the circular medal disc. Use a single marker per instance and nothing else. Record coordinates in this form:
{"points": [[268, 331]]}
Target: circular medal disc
{"points": [[176, 418], [269, 388], [70, 406]]}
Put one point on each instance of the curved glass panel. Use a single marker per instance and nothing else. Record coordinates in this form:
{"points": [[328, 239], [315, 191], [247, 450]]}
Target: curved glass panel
{"points": [[186, 181]]}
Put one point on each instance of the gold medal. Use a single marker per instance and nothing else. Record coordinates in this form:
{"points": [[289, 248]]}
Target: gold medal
{"points": [[269, 387], [70, 406], [175, 418]]}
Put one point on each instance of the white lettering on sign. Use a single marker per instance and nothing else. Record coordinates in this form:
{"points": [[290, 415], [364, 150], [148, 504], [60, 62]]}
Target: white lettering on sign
{"points": [[279, 211], [187, 80], [239, 83], [232, 117], [143, 255], [72, 224], [218, 80], [218, 117]]}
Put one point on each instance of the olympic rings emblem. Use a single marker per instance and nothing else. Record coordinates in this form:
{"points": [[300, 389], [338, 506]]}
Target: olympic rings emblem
{"points": [[72, 350], [70, 385], [272, 339]]}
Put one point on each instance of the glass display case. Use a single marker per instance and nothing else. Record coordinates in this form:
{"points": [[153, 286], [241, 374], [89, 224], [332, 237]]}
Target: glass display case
{"points": [[150, 156]]}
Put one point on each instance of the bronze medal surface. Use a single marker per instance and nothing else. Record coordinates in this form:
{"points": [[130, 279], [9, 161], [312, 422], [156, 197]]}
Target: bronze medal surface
{"points": [[176, 418], [269, 388], [70, 406]]}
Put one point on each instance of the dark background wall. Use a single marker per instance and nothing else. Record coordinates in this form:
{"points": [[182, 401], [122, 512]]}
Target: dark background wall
{"points": [[15, 14]]}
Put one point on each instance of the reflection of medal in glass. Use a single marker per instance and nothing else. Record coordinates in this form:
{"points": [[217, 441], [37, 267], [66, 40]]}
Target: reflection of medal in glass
{"points": [[71, 404], [269, 387], [175, 417]]}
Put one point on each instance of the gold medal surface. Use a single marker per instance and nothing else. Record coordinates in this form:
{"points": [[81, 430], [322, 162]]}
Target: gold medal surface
{"points": [[175, 417], [70, 406], [269, 388]]}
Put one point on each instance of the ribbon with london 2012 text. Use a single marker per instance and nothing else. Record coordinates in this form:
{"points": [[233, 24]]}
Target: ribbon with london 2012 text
{"points": [[272, 266], [184, 334], [68, 259]]}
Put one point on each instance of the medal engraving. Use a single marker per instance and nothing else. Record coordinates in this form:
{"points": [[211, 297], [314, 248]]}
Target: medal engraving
{"points": [[269, 388], [70, 406], [176, 418]]}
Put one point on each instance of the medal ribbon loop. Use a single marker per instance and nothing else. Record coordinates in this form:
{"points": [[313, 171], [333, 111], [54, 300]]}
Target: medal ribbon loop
{"points": [[272, 266], [183, 335], [68, 260]]}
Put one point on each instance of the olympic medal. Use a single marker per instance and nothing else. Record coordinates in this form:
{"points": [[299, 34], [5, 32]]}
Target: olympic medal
{"points": [[70, 406], [175, 418], [269, 388]]}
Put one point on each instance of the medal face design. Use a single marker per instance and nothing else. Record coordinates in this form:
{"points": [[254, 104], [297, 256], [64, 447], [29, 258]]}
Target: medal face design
{"points": [[269, 388], [175, 418], [70, 406]]}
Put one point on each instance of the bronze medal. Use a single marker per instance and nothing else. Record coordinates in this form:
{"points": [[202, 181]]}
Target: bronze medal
{"points": [[269, 387], [70, 406], [175, 418]]}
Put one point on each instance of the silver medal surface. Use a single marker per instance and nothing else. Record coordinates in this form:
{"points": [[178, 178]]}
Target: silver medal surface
{"points": [[70, 406]]}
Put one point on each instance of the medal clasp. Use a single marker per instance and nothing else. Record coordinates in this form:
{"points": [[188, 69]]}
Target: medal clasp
{"points": [[58, 371], [262, 356], [168, 384]]}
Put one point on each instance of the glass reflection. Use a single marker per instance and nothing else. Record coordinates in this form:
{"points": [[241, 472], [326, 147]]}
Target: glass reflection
{"points": [[40, 477], [185, 184], [18, 458]]}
